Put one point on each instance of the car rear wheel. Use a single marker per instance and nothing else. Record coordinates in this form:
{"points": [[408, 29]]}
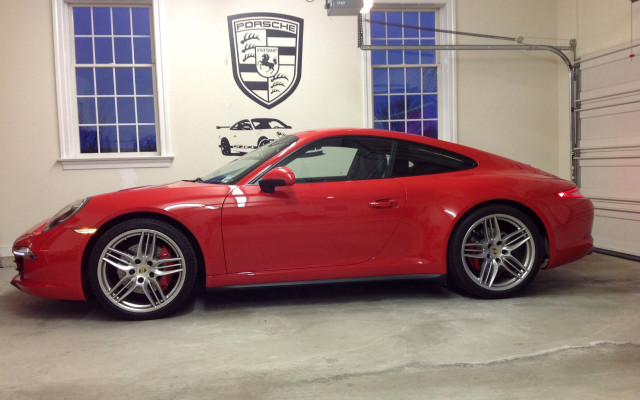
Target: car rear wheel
{"points": [[225, 147], [142, 269], [494, 252], [263, 141]]}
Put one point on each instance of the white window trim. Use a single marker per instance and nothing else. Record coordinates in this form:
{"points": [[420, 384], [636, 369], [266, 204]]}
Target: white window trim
{"points": [[447, 84], [70, 157]]}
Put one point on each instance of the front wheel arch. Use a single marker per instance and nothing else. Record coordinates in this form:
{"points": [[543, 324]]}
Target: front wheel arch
{"points": [[200, 273]]}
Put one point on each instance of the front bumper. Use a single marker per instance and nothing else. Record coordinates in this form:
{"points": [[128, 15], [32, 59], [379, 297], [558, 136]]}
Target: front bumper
{"points": [[49, 264]]}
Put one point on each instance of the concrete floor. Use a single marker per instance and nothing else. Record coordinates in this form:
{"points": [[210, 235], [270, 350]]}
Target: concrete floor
{"points": [[574, 335]]}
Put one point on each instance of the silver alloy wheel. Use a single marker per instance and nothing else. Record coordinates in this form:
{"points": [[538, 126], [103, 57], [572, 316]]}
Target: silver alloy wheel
{"points": [[141, 270], [498, 252]]}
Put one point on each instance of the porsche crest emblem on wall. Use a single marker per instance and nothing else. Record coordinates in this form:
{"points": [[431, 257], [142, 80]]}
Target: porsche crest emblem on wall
{"points": [[266, 50]]}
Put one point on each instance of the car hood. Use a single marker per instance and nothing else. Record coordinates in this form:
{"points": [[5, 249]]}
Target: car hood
{"points": [[177, 199]]}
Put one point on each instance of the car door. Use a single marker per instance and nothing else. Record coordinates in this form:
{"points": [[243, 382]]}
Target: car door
{"points": [[342, 209], [241, 134]]}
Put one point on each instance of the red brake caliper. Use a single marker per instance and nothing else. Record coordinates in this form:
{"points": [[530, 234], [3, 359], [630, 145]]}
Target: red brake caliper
{"points": [[165, 280], [474, 263]]}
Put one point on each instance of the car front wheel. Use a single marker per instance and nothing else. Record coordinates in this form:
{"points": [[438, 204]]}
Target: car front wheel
{"points": [[142, 269], [494, 252], [225, 147]]}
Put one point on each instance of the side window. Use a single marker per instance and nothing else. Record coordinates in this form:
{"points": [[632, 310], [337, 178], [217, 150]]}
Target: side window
{"points": [[413, 159], [342, 159], [243, 125]]}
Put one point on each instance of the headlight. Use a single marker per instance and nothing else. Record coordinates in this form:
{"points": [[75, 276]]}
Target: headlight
{"points": [[66, 213]]}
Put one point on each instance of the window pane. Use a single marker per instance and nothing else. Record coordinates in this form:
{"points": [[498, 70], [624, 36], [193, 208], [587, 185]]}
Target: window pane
{"points": [[381, 125], [379, 57], [123, 50], [428, 56], [84, 50], [380, 82], [395, 56], [102, 21], [140, 17], [124, 80], [108, 139], [378, 30], [146, 112], [394, 18], [106, 110], [411, 56], [121, 21], [397, 107], [81, 21], [144, 81], [429, 80], [411, 20], [430, 108], [414, 107], [142, 50], [104, 53], [128, 138], [414, 127], [427, 20], [104, 81], [86, 110], [430, 129], [88, 139], [126, 110], [84, 81], [380, 108], [396, 80], [397, 126], [147, 138], [413, 80]]}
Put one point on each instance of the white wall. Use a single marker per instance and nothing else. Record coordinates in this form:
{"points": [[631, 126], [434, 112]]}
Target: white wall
{"points": [[508, 100], [508, 103]]}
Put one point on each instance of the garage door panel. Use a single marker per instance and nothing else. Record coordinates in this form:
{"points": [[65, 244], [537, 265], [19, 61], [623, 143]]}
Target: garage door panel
{"points": [[609, 148]]}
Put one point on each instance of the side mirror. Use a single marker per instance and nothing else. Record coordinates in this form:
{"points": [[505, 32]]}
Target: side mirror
{"points": [[281, 176]]}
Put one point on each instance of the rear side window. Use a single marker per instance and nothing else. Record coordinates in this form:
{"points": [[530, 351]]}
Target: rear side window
{"points": [[413, 159]]}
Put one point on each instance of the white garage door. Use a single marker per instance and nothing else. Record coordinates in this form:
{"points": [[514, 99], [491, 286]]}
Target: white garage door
{"points": [[609, 147]]}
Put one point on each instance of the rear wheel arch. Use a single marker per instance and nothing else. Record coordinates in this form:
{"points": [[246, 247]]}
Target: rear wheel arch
{"points": [[528, 211], [200, 273]]}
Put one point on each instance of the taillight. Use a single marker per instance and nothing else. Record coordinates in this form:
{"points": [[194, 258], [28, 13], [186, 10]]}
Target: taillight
{"points": [[572, 193]]}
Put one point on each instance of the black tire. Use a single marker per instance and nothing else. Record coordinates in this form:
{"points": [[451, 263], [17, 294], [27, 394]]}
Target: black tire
{"points": [[142, 269], [494, 252], [225, 147]]}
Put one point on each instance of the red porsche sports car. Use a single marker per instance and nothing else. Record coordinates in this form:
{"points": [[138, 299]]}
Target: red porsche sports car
{"points": [[321, 205]]}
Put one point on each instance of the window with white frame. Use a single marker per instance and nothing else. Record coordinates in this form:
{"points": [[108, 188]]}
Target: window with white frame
{"points": [[411, 90], [109, 93]]}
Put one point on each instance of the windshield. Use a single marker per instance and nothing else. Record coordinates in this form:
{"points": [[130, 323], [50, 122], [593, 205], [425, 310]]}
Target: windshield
{"points": [[231, 173]]}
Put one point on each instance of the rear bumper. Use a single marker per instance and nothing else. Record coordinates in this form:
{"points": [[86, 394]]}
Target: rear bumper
{"points": [[571, 233]]}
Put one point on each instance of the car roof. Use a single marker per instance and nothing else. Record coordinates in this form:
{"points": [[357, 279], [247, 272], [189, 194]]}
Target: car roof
{"points": [[309, 136], [481, 157]]}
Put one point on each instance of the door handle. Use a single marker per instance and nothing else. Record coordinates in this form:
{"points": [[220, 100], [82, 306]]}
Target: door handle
{"points": [[383, 203]]}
